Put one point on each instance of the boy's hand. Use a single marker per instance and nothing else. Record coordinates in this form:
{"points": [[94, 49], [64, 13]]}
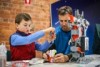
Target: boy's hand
{"points": [[48, 30], [45, 57], [51, 37], [50, 34], [38, 54]]}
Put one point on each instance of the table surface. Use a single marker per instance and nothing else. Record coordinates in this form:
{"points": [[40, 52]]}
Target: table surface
{"points": [[93, 63], [58, 65]]}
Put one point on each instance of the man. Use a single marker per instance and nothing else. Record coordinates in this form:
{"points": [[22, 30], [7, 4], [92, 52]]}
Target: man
{"points": [[63, 35]]}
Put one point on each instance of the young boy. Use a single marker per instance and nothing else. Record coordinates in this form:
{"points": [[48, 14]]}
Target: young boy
{"points": [[23, 45]]}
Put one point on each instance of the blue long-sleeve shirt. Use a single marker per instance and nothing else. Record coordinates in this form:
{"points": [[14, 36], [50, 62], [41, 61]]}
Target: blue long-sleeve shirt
{"points": [[61, 41], [17, 40]]}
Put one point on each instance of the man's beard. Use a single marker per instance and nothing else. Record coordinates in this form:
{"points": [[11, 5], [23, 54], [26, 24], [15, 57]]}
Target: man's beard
{"points": [[65, 28]]}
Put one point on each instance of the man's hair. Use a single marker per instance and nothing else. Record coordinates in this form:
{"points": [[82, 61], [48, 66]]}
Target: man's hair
{"points": [[22, 16], [64, 10]]}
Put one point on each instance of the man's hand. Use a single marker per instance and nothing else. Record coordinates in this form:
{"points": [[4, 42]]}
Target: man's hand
{"points": [[60, 58]]}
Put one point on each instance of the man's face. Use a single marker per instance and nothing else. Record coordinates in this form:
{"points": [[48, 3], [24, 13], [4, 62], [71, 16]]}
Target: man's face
{"points": [[64, 19], [24, 26]]}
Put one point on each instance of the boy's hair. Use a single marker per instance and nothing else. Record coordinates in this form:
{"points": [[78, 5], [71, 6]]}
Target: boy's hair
{"points": [[64, 10], [22, 16]]}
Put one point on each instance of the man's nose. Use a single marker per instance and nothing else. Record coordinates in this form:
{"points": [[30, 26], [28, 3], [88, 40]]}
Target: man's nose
{"points": [[64, 23]]}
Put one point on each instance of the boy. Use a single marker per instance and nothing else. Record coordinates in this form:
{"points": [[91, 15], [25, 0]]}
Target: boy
{"points": [[23, 44]]}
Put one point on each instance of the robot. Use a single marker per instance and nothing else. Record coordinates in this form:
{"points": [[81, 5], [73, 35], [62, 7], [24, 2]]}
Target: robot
{"points": [[79, 42]]}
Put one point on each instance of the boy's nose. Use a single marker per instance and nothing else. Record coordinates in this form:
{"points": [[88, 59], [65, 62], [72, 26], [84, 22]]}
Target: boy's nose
{"points": [[28, 28]]}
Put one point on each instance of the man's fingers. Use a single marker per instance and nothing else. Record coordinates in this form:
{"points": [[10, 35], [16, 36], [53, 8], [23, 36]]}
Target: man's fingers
{"points": [[58, 60], [57, 55]]}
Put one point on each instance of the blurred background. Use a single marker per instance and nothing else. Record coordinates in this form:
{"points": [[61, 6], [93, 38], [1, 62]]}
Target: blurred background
{"points": [[44, 13]]}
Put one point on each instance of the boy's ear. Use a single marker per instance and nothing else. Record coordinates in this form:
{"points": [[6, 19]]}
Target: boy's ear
{"points": [[16, 25]]}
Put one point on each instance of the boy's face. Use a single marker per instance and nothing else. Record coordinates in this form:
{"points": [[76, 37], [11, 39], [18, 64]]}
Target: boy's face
{"points": [[64, 22], [24, 26]]}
